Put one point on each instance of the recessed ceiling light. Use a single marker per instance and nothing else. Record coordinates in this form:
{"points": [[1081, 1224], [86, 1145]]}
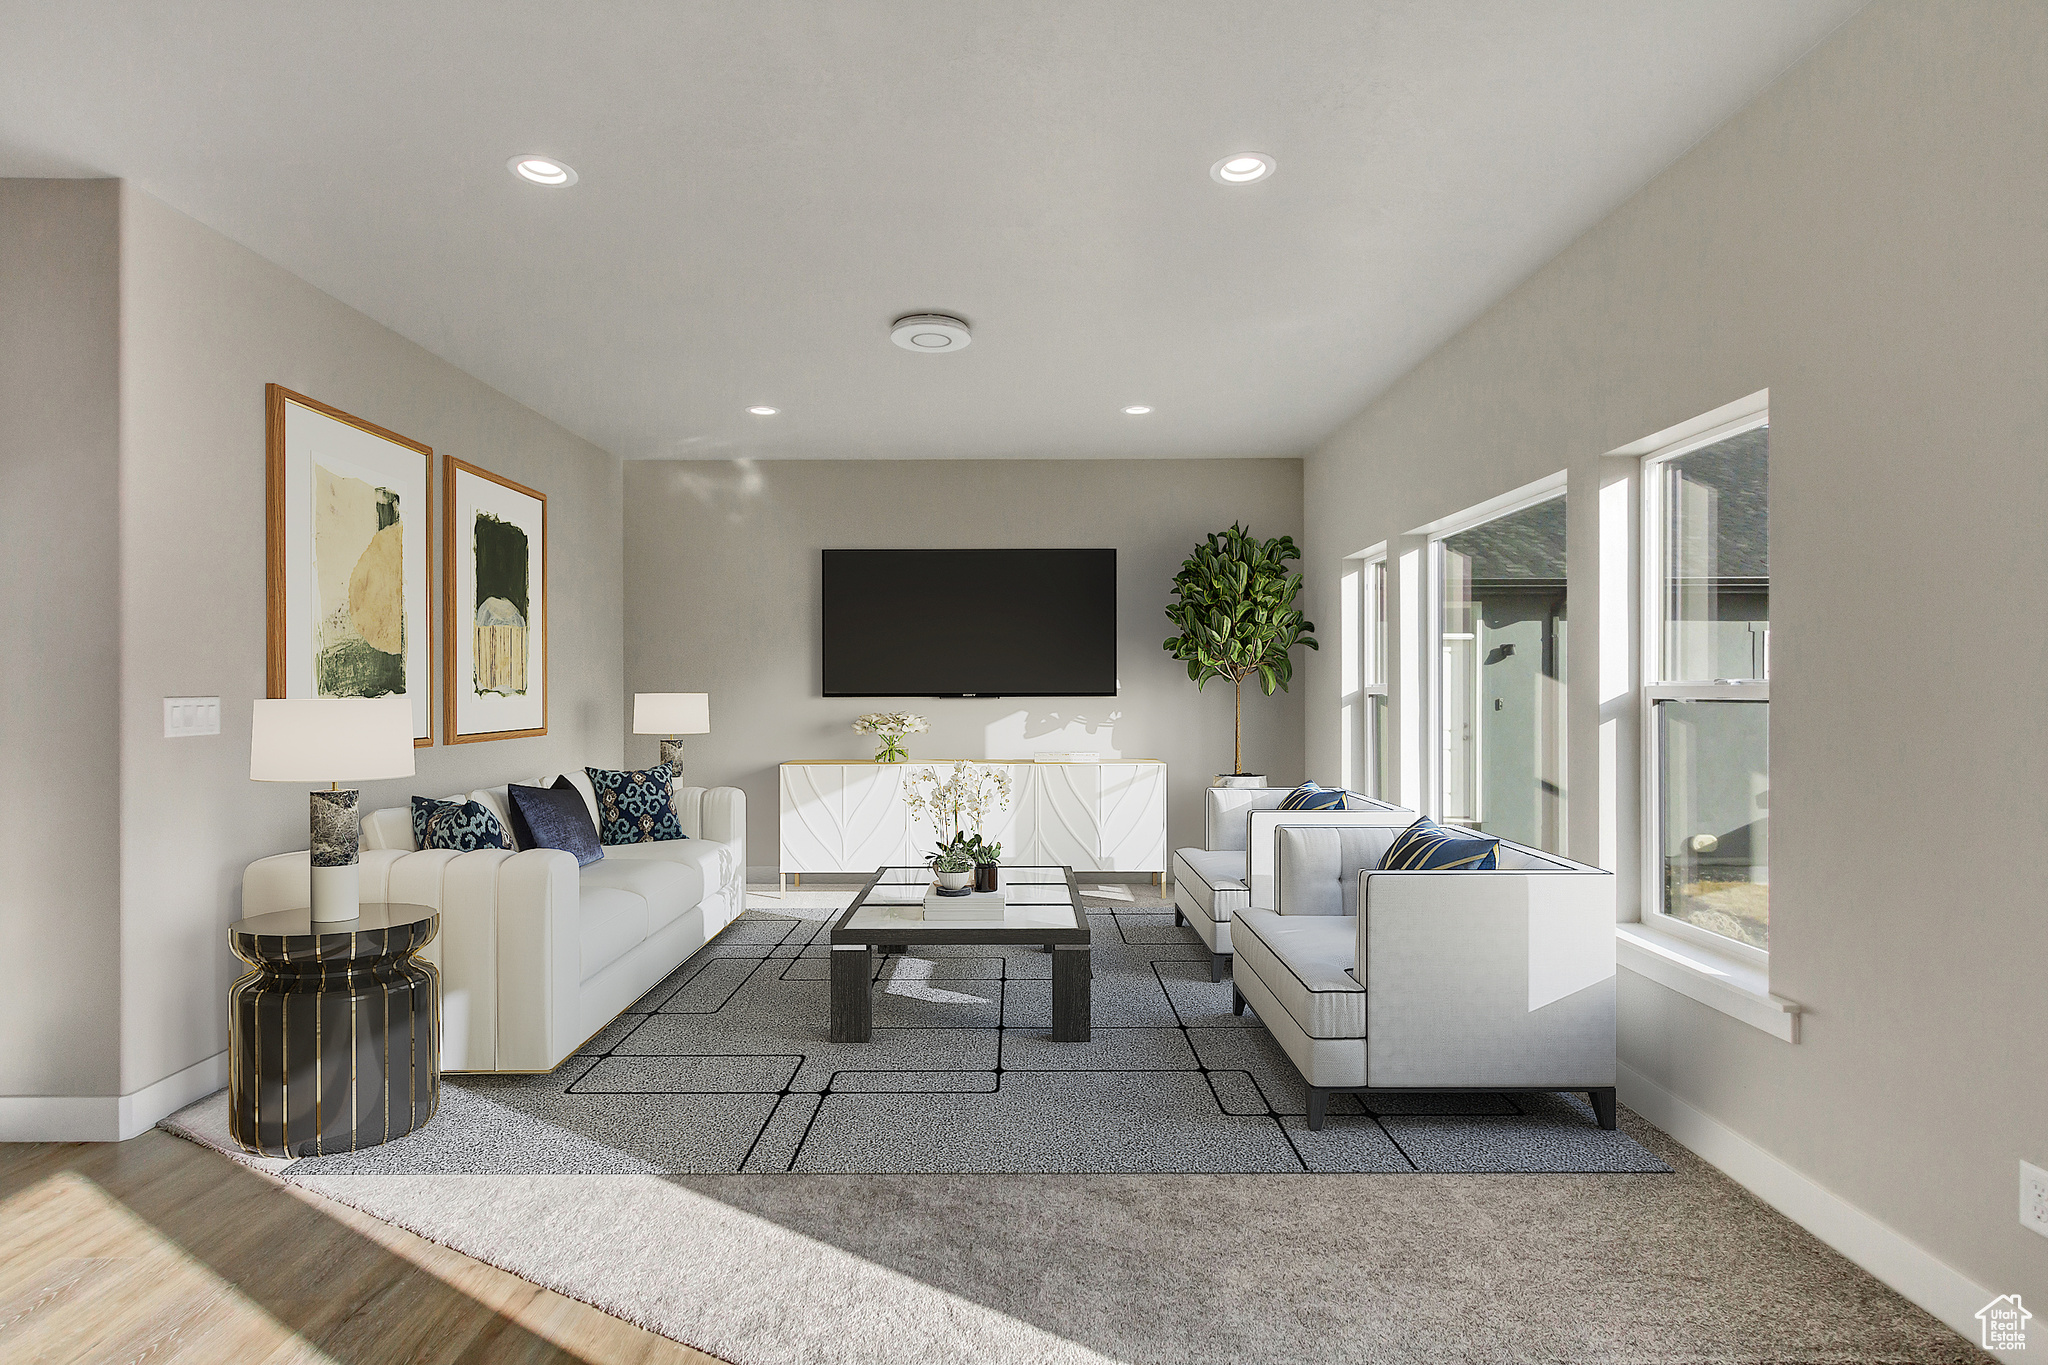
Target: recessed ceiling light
{"points": [[1241, 169], [930, 332], [763, 412], [1136, 410], [542, 170]]}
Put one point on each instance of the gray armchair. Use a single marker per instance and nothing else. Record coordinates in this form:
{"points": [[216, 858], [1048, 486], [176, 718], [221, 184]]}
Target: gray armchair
{"points": [[1404, 981], [1211, 884]]}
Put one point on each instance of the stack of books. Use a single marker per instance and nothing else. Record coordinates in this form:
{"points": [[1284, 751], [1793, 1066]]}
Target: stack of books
{"points": [[974, 905]]}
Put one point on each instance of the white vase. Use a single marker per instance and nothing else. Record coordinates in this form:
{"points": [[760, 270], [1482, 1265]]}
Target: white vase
{"points": [[955, 881]]}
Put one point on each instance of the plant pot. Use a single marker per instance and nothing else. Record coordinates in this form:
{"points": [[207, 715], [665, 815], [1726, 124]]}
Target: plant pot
{"points": [[956, 881], [985, 876], [1240, 780]]}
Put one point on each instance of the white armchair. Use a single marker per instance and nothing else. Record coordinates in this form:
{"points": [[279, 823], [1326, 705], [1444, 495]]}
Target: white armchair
{"points": [[1233, 868], [1447, 980], [535, 953]]}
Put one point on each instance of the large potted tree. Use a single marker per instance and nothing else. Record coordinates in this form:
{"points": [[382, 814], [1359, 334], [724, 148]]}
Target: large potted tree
{"points": [[1234, 607]]}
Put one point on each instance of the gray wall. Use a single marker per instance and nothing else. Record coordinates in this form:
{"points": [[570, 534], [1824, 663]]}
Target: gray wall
{"points": [[60, 754], [1869, 241], [203, 325], [723, 597]]}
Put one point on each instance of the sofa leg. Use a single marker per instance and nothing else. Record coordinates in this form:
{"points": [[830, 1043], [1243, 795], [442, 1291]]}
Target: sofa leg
{"points": [[1218, 964], [1179, 920], [1318, 1101], [1603, 1106], [1236, 999]]}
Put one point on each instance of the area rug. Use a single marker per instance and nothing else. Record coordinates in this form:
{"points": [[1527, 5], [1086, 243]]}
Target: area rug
{"points": [[726, 1067]]}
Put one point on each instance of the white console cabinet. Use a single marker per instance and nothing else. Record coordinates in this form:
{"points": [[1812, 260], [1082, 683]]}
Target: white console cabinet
{"points": [[849, 816]]}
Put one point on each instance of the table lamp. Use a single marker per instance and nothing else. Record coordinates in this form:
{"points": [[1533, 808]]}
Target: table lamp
{"points": [[672, 714], [329, 739]]}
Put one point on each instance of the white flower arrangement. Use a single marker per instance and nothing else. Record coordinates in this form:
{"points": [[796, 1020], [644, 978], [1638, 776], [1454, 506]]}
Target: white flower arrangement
{"points": [[972, 794], [891, 727]]}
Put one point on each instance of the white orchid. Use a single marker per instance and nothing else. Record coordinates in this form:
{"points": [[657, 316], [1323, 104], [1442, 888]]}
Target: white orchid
{"points": [[966, 799], [891, 726]]}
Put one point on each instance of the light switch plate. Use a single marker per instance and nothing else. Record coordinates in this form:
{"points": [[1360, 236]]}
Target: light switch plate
{"points": [[188, 716], [2034, 1197]]}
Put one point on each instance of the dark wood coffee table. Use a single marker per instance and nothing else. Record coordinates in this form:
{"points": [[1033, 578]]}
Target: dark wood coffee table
{"points": [[1044, 908]]}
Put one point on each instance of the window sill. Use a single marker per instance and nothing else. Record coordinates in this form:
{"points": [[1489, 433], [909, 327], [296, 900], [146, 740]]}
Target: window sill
{"points": [[1719, 982]]}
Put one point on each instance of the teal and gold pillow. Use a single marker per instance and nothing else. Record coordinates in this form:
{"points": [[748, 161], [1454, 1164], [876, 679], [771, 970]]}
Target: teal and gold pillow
{"points": [[1426, 846], [636, 808], [1309, 796], [464, 826]]}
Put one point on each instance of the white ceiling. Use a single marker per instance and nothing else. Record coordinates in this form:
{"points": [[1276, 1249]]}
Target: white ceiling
{"points": [[765, 186]]}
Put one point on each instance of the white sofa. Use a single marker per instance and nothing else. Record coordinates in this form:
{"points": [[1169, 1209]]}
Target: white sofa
{"points": [[1232, 870], [536, 954], [1449, 980]]}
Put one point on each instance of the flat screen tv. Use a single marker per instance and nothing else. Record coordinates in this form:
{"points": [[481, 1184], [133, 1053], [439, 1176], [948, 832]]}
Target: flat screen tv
{"points": [[970, 623]]}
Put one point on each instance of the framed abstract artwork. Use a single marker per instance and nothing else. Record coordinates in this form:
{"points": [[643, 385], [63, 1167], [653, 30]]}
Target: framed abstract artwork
{"points": [[494, 546], [350, 517]]}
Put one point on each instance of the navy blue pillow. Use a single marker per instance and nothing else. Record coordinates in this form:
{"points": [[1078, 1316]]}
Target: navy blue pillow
{"points": [[1309, 796], [635, 807], [464, 826], [555, 817], [1426, 846]]}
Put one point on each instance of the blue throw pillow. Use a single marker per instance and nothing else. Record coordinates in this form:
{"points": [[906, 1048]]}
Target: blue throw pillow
{"points": [[555, 817], [1426, 846], [464, 826], [1309, 796], [635, 808]]}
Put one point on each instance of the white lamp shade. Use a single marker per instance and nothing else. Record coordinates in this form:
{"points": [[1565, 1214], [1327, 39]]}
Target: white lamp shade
{"points": [[671, 713], [331, 739]]}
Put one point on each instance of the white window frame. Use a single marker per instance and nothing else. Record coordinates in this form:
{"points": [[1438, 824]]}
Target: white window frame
{"points": [[1651, 666], [1366, 660], [1545, 489]]}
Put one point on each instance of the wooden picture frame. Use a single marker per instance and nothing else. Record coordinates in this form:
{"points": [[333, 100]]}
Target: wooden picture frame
{"points": [[348, 592], [494, 605]]}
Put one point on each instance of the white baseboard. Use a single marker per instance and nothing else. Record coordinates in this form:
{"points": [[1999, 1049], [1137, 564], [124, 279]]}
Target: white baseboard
{"points": [[108, 1118], [1898, 1261]]}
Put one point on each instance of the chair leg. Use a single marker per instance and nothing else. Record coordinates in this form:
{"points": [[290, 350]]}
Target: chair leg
{"points": [[1603, 1107], [1236, 999], [1318, 1101], [1218, 964]]}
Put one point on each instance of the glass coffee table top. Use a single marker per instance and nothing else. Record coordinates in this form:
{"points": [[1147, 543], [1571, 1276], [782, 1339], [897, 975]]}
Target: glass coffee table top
{"points": [[1033, 898]]}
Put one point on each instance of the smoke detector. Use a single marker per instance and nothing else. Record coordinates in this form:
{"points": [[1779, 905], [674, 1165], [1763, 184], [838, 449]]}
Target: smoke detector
{"points": [[929, 332]]}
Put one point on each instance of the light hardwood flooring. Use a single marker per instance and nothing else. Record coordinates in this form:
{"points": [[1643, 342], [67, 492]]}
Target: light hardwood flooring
{"points": [[156, 1249]]}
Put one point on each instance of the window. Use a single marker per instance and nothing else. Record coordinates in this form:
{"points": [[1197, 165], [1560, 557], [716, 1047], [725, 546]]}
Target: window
{"points": [[1499, 587], [1707, 768], [1364, 720]]}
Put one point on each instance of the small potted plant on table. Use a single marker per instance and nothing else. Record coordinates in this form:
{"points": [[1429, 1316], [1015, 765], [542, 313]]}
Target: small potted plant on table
{"points": [[987, 860], [890, 727], [955, 867]]}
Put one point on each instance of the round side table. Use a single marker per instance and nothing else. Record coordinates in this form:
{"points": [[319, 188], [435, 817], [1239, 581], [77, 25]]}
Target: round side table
{"points": [[334, 1040]]}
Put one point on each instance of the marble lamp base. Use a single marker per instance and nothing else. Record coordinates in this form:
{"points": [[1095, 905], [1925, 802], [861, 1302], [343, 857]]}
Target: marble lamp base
{"points": [[337, 866], [672, 754]]}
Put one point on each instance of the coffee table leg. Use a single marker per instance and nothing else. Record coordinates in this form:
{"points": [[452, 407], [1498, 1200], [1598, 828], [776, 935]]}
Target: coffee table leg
{"points": [[853, 974], [1072, 975]]}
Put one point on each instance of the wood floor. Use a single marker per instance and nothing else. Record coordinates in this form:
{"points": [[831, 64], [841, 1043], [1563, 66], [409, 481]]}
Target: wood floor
{"points": [[159, 1250]]}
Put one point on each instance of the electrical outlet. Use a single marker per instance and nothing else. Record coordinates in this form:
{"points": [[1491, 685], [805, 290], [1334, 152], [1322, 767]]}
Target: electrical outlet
{"points": [[188, 716], [2034, 1198]]}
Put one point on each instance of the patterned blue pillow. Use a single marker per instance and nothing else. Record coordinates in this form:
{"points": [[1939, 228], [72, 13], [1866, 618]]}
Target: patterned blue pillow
{"points": [[464, 826], [635, 808], [1426, 846], [1309, 796]]}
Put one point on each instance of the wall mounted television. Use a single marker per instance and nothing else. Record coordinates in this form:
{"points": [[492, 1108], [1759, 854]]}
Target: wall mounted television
{"points": [[970, 623]]}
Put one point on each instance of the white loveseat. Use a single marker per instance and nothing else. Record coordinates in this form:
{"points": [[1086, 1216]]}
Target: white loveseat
{"points": [[1445, 980], [536, 954], [1232, 871]]}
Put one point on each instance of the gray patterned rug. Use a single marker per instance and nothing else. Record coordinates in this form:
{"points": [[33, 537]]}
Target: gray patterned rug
{"points": [[726, 1067]]}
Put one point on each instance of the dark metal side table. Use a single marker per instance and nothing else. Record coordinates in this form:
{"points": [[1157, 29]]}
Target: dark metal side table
{"points": [[334, 1040]]}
